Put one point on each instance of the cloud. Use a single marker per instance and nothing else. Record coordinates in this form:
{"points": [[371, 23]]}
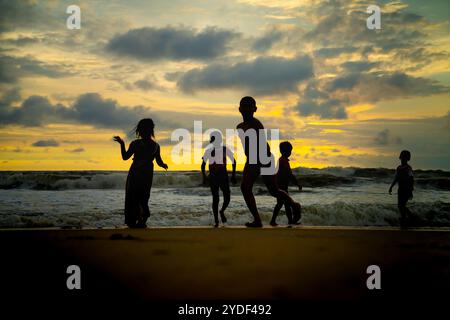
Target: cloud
{"points": [[14, 68], [76, 150], [263, 76], [171, 43], [91, 108], [10, 96], [166, 142], [144, 84], [46, 143], [331, 52], [22, 14], [377, 86], [87, 109], [329, 109], [329, 98], [33, 111], [358, 66], [316, 102], [21, 41], [384, 138], [266, 42], [447, 121], [347, 81]]}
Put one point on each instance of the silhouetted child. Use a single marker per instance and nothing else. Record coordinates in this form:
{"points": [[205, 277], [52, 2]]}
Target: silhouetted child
{"points": [[247, 108], [140, 175], [405, 179], [284, 176], [217, 156]]}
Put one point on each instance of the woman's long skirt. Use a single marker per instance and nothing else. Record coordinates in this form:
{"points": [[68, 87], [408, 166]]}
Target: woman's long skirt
{"points": [[137, 193]]}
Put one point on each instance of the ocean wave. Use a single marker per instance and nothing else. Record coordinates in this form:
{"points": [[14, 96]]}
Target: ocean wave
{"points": [[424, 214], [89, 180], [332, 176]]}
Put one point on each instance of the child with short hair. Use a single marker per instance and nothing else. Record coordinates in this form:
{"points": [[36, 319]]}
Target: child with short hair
{"points": [[247, 108], [217, 156], [405, 179], [284, 176]]}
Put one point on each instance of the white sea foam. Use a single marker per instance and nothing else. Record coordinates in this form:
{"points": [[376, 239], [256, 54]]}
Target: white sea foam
{"points": [[358, 204]]}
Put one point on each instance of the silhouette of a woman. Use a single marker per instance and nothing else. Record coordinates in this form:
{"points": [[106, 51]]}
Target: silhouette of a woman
{"points": [[140, 175]]}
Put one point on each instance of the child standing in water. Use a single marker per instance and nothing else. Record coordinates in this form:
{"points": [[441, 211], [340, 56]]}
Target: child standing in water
{"points": [[217, 156], [284, 176], [247, 108], [140, 175], [405, 179]]}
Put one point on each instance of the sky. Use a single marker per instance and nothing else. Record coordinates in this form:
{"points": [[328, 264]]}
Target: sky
{"points": [[342, 94]]}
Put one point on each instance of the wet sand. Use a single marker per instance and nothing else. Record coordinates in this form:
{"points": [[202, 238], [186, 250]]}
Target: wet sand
{"points": [[308, 264]]}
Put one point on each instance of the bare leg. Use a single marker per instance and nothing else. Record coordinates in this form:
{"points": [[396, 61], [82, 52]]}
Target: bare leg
{"points": [[226, 202], [215, 204], [272, 187], [288, 209], [404, 211], [276, 210], [249, 177]]}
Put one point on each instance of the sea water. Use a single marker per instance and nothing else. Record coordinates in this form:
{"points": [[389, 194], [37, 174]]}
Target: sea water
{"points": [[331, 197]]}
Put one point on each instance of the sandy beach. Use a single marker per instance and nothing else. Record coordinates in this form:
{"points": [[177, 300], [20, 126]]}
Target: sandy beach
{"points": [[308, 264]]}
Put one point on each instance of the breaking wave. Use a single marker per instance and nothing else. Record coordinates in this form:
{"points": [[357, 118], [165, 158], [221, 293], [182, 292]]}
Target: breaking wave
{"points": [[427, 214], [332, 176]]}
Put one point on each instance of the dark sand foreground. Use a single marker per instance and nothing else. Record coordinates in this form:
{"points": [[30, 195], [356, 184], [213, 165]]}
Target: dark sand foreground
{"points": [[311, 264]]}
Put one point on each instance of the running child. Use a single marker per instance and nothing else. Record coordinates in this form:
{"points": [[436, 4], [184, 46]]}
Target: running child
{"points": [[217, 156], [284, 177], [252, 169]]}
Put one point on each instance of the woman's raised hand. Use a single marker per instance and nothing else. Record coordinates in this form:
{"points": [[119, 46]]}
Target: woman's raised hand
{"points": [[118, 139]]}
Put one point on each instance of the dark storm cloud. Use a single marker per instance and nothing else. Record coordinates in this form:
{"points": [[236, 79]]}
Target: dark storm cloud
{"points": [[89, 108], [264, 76], [384, 138], [14, 68], [172, 43], [46, 143]]}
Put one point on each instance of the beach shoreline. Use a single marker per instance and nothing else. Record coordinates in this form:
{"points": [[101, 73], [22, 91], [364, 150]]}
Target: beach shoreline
{"points": [[202, 263]]}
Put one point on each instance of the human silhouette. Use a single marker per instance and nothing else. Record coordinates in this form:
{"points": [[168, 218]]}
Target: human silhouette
{"points": [[284, 177], [247, 107], [217, 155], [140, 175], [405, 179]]}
